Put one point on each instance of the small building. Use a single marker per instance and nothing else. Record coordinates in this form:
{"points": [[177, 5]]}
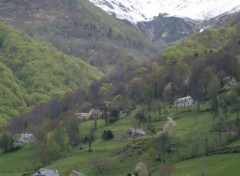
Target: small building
{"points": [[76, 173], [134, 132], [82, 116], [26, 138], [92, 114], [46, 172], [188, 100]]}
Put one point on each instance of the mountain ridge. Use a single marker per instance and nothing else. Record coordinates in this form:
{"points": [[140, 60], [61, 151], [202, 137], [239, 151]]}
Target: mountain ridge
{"points": [[136, 11]]}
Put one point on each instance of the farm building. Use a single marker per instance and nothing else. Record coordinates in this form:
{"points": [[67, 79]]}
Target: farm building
{"points": [[46, 172], [188, 100], [92, 114], [134, 132], [26, 138]]}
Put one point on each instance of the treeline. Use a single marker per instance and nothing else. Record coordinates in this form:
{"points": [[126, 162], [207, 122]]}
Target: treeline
{"points": [[198, 67]]}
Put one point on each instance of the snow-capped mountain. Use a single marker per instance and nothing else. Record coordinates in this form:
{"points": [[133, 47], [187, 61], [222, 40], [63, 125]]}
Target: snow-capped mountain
{"points": [[144, 10]]}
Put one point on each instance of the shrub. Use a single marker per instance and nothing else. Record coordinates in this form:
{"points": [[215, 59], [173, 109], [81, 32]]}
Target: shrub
{"points": [[114, 116], [107, 135]]}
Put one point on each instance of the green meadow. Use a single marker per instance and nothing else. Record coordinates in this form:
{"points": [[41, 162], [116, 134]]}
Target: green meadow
{"points": [[120, 155]]}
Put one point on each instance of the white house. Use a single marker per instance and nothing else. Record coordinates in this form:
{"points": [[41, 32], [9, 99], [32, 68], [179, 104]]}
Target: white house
{"points": [[188, 100], [26, 138], [92, 114], [134, 132], [46, 172], [82, 116]]}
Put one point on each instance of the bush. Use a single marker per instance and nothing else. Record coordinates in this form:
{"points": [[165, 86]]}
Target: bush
{"points": [[114, 116], [107, 135]]}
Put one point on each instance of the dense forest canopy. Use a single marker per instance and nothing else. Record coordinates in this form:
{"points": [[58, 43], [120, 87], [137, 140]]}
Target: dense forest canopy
{"points": [[34, 71]]}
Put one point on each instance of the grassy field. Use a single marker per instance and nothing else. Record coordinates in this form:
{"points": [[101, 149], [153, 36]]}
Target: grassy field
{"points": [[120, 155], [18, 162], [218, 165]]}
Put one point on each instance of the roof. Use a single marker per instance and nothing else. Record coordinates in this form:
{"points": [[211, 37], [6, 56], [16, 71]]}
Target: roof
{"points": [[95, 112], [187, 98], [46, 172], [136, 131], [76, 173]]}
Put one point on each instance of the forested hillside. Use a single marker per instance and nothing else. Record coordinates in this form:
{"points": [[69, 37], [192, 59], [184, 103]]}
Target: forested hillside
{"points": [[34, 71], [209, 41], [78, 28], [138, 128]]}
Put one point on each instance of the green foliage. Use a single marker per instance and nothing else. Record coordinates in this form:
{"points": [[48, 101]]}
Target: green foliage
{"points": [[33, 71], [52, 148], [6, 142], [114, 115], [107, 135], [118, 150], [141, 169], [61, 137], [73, 133], [211, 40]]}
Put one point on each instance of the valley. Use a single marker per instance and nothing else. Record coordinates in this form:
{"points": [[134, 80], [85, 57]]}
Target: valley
{"points": [[102, 96]]}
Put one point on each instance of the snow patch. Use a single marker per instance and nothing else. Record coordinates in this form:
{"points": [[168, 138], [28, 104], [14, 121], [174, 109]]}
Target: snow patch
{"points": [[145, 10]]}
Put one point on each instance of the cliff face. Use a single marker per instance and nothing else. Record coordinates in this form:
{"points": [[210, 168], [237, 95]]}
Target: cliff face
{"points": [[166, 30]]}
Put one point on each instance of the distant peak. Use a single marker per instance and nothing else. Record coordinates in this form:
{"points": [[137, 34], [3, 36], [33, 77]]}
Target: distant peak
{"points": [[145, 10]]}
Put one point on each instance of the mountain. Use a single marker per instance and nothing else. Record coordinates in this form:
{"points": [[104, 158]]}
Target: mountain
{"points": [[166, 22], [167, 30], [78, 28], [145, 10], [32, 72]]}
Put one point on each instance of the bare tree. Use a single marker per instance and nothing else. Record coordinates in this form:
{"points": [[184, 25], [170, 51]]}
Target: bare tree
{"points": [[99, 164], [90, 139], [166, 169]]}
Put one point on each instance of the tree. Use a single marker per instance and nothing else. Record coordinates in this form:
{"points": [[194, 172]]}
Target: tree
{"points": [[140, 116], [135, 89], [237, 124], [141, 169], [105, 108], [163, 139], [215, 107], [53, 151], [6, 142], [99, 164], [61, 137], [162, 144], [90, 139], [114, 115], [73, 133], [194, 144], [166, 169], [220, 127], [107, 135]]}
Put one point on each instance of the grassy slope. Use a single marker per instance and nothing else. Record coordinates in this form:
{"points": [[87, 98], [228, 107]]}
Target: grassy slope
{"points": [[218, 165], [186, 125], [33, 71], [18, 162], [120, 163]]}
